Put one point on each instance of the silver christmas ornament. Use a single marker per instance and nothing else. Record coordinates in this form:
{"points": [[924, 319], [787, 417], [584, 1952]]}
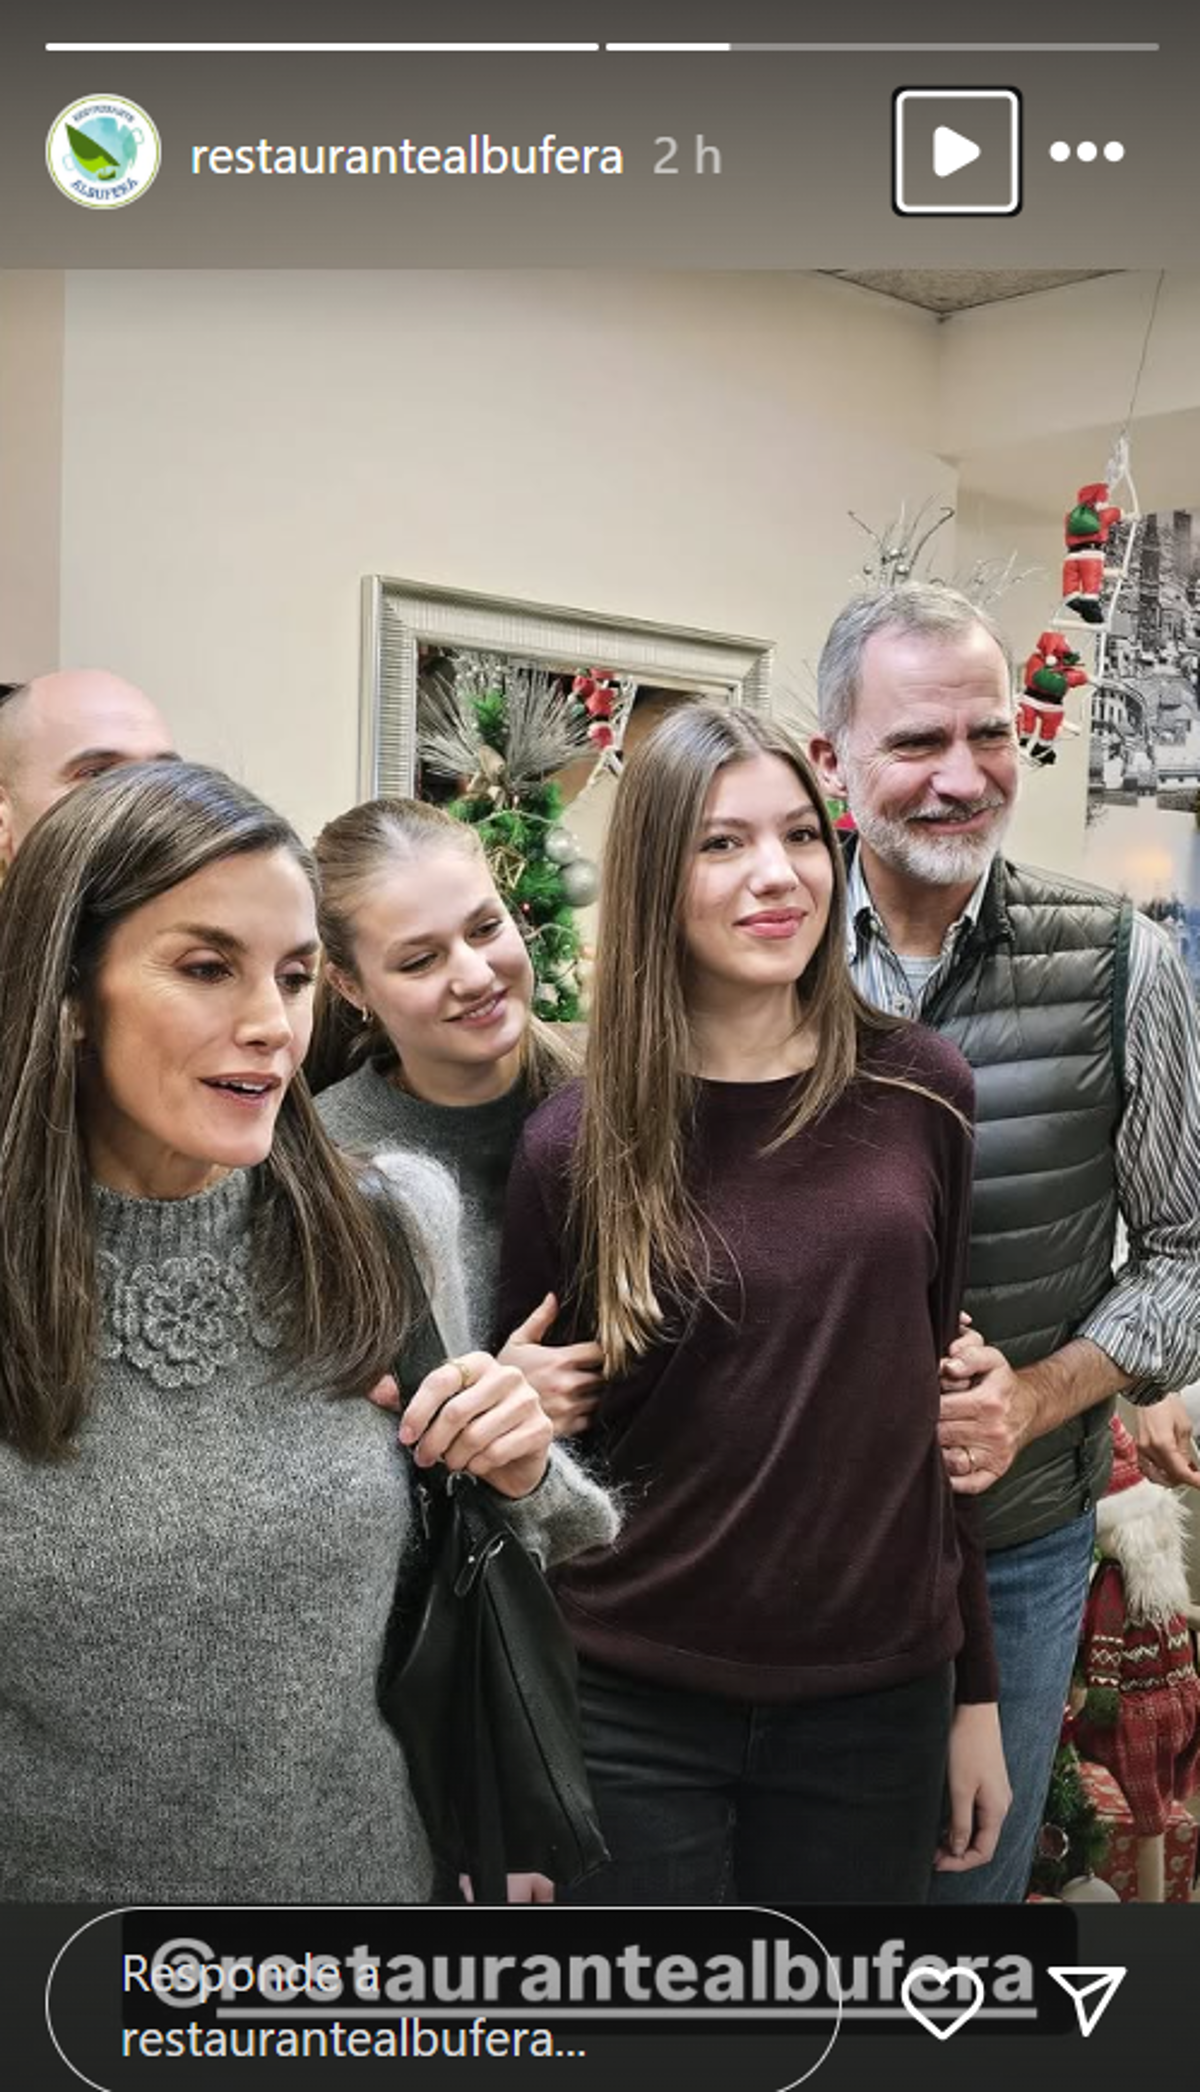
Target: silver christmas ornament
{"points": [[561, 847], [581, 882]]}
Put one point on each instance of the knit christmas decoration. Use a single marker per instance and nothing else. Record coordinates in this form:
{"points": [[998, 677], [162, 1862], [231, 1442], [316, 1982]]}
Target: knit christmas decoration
{"points": [[1141, 1712], [1086, 527], [1050, 672]]}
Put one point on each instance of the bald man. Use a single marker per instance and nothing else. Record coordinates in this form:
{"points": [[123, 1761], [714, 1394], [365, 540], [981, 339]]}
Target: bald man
{"points": [[61, 729]]}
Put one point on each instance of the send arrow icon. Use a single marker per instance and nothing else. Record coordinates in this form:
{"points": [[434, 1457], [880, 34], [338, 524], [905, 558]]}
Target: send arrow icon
{"points": [[952, 151], [1091, 1991]]}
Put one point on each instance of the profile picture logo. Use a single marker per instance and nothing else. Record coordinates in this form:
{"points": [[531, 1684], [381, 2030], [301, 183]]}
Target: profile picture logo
{"points": [[103, 152]]}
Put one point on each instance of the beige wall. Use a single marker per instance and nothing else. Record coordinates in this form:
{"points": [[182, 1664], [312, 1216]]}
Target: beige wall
{"points": [[1058, 361], [234, 450], [682, 448], [31, 362]]}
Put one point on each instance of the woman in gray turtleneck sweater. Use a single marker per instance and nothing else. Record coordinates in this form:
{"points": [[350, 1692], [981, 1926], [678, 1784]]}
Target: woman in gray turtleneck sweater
{"points": [[200, 1522]]}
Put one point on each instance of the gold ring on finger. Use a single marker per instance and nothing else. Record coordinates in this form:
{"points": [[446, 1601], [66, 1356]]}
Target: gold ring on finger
{"points": [[465, 1377]]}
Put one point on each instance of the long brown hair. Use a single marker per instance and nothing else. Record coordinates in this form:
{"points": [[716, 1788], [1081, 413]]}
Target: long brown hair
{"points": [[637, 1225], [330, 1261], [382, 837]]}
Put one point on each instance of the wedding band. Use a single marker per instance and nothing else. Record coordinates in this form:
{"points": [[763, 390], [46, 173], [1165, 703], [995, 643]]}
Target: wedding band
{"points": [[970, 1453], [465, 1377]]}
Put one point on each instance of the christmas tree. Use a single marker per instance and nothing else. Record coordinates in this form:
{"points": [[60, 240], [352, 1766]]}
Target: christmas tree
{"points": [[1072, 1839], [502, 730]]}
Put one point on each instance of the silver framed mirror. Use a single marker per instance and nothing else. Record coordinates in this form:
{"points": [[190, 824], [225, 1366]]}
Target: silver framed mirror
{"points": [[400, 617]]}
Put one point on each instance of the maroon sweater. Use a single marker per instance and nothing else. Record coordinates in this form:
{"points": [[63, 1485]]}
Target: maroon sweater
{"points": [[790, 1531]]}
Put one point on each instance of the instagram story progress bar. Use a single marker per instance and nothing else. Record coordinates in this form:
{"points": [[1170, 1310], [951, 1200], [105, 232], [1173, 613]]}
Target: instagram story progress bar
{"points": [[447, 46]]}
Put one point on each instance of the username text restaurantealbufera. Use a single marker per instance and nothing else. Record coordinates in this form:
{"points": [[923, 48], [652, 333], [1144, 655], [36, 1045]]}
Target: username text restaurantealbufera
{"points": [[479, 153]]}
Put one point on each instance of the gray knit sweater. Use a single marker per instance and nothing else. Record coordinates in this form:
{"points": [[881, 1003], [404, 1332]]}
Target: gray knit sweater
{"points": [[192, 1608], [475, 1142]]}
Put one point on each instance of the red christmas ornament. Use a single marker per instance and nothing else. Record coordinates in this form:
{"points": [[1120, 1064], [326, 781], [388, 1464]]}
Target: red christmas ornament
{"points": [[600, 734]]}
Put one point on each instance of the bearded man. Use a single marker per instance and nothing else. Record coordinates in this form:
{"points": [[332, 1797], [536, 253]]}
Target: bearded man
{"points": [[1084, 1035]]}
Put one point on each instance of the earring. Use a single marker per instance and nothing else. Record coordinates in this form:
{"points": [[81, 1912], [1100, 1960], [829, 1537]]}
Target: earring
{"points": [[364, 1016]]}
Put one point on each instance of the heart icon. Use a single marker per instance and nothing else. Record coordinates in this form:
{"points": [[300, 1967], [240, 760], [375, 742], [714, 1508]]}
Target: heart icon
{"points": [[933, 1981]]}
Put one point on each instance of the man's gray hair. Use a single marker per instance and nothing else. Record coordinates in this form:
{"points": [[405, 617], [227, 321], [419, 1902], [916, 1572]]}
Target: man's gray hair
{"points": [[925, 609]]}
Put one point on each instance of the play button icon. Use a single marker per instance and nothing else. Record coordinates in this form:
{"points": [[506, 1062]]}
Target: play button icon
{"points": [[952, 151], [956, 151]]}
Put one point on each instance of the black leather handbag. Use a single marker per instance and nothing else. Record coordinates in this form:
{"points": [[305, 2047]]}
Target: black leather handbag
{"points": [[478, 1681]]}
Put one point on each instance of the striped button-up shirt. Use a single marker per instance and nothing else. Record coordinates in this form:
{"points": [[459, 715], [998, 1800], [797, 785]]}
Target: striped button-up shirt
{"points": [[1149, 1323]]}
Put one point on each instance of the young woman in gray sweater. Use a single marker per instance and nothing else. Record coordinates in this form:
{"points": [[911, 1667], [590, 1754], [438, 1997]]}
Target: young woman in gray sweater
{"points": [[201, 1525], [425, 1042]]}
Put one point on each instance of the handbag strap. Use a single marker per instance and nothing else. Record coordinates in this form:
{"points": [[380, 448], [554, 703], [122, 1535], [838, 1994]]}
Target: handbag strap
{"points": [[424, 1350]]}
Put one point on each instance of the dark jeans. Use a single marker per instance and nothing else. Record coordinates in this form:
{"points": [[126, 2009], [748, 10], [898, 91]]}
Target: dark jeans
{"points": [[706, 1800]]}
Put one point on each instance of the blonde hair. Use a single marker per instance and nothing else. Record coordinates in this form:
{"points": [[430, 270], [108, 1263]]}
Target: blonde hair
{"points": [[353, 853], [636, 1224]]}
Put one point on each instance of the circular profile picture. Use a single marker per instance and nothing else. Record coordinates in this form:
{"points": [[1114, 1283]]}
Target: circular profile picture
{"points": [[103, 152]]}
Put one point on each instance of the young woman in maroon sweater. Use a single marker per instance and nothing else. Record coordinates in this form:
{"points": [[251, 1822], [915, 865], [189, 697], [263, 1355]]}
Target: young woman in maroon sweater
{"points": [[758, 1200]]}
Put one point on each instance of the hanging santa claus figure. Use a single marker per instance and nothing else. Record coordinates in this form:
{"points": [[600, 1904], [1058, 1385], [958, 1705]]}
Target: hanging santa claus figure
{"points": [[1087, 527], [1050, 672]]}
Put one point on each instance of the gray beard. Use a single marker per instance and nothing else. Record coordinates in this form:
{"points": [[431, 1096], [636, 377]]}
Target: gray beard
{"points": [[941, 860]]}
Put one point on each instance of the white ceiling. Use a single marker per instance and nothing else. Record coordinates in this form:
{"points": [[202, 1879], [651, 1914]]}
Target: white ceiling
{"points": [[955, 290]]}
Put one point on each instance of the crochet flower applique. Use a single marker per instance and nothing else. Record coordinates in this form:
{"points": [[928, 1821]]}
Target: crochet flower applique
{"points": [[184, 1320]]}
